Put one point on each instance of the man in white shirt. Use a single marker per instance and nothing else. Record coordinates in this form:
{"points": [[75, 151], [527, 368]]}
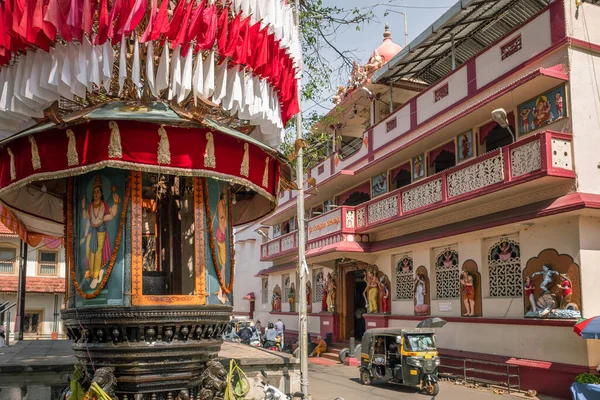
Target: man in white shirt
{"points": [[280, 328]]}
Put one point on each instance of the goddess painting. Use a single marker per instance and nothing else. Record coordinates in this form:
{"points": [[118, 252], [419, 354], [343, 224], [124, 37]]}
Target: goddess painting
{"points": [[222, 240], [98, 249]]}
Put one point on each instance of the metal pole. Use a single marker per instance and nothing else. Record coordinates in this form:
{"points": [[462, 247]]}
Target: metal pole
{"points": [[405, 31], [302, 267], [391, 98], [21, 291]]}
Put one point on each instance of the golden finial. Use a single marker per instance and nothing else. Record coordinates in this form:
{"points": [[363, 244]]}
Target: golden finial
{"points": [[387, 34]]}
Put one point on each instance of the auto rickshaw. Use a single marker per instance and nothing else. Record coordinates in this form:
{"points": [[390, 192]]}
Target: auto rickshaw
{"points": [[404, 356]]}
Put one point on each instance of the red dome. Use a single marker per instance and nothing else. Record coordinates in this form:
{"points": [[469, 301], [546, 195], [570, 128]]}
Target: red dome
{"points": [[388, 49]]}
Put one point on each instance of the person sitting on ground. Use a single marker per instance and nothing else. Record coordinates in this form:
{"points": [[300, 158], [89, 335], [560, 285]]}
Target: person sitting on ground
{"points": [[270, 335], [258, 327], [321, 347], [230, 334], [245, 334]]}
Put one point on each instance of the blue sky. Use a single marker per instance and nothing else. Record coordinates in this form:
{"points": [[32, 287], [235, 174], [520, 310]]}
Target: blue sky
{"points": [[420, 13]]}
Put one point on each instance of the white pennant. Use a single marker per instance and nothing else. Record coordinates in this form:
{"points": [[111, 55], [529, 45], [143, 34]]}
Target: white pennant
{"points": [[108, 59], [135, 69], [198, 79], [186, 76], [220, 83], [208, 88], [150, 68], [175, 73], [162, 74]]}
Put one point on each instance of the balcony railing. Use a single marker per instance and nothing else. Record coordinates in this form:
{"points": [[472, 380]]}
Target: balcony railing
{"points": [[543, 154]]}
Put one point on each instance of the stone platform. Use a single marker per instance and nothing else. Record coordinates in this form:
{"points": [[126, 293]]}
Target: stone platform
{"points": [[41, 369]]}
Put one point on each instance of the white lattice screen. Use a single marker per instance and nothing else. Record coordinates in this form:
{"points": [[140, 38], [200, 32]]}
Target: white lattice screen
{"points": [[404, 277], [505, 274], [318, 282], [447, 273]]}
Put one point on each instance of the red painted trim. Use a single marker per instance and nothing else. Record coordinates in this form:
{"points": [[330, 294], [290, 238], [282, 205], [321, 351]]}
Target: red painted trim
{"points": [[412, 104], [571, 202], [558, 22], [585, 45], [493, 321], [507, 166], [370, 140], [547, 365], [471, 78]]}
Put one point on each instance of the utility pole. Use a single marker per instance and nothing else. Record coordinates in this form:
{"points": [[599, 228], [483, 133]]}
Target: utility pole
{"points": [[302, 266], [21, 291]]}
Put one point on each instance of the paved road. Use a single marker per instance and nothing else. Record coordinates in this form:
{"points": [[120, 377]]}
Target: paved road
{"points": [[330, 381]]}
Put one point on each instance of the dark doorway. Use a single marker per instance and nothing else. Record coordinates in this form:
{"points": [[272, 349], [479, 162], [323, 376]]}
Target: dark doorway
{"points": [[402, 178], [444, 161], [359, 303], [498, 137]]}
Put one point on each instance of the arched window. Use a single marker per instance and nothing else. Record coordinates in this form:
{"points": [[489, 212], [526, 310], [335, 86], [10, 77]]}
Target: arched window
{"points": [[402, 178], [318, 285], [404, 277], [498, 137], [444, 161], [447, 274], [265, 290], [504, 262], [356, 198]]}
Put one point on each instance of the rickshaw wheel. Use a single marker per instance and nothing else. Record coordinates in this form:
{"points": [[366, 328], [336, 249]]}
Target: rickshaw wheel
{"points": [[432, 389], [365, 377]]}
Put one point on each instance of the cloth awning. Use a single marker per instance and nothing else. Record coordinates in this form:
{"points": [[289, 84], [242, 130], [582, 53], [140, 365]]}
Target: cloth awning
{"points": [[250, 296]]}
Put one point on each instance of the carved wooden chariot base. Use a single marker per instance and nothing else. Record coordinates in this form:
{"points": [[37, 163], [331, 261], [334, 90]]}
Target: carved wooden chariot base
{"points": [[146, 212]]}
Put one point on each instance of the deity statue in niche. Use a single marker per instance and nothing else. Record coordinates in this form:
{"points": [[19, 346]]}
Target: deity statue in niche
{"points": [[529, 293], [468, 288], [384, 294], [552, 286], [324, 295], [292, 297], [308, 297], [371, 292], [331, 293], [276, 299], [97, 238], [420, 292]]}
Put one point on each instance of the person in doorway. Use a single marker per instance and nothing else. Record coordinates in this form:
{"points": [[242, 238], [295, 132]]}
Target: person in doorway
{"points": [[280, 328], [321, 347]]}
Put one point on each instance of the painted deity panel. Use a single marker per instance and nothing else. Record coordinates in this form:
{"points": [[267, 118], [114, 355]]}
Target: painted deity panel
{"points": [[220, 244], [378, 185], [464, 143], [543, 110], [418, 167], [99, 219]]}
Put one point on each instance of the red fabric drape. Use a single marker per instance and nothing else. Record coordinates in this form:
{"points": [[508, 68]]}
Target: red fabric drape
{"points": [[433, 154], [207, 29]]}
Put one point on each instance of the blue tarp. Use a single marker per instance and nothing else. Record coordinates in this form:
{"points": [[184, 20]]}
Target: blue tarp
{"points": [[581, 391]]}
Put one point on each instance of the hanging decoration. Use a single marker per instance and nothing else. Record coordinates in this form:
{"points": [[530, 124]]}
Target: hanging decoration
{"points": [[75, 54]]}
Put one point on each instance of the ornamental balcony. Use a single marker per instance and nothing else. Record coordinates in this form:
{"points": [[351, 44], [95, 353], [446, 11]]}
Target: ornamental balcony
{"points": [[522, 171]]}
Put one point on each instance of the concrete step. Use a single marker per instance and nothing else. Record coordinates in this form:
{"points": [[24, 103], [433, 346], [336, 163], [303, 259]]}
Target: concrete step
{"points": [[330, 355]]}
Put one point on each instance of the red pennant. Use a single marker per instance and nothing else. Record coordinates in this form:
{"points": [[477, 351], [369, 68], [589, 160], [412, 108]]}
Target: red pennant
{"points": [[135, 16], [89, 9], [253, 44], [74, 17], [161, 22], [102, 34], [56, 15], [183, 29], [114, 16], [234, 31], [195, 22], [222, 29], [38, 20], [146, 35], [240, 53], [207, 29], [174, 25]]}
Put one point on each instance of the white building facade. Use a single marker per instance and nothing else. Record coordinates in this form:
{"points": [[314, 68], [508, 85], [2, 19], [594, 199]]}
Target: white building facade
{"points": [[450, 215]]}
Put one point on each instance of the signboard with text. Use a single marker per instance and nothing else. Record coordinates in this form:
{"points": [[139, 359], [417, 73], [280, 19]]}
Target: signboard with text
{"points": [[325, 225]]}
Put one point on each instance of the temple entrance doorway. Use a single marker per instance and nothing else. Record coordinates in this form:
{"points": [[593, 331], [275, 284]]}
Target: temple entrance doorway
{"points": [[352, 322]]}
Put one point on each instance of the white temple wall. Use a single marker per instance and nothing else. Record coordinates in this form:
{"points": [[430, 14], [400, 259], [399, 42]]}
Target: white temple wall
{"points": [[589, 232]]}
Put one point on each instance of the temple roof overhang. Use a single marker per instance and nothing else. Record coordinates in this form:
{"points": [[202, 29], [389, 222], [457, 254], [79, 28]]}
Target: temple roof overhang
{"points": [[471, 25]]}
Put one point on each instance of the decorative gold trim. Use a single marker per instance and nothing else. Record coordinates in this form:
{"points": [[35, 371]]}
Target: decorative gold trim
{"points": [[245, 168], [36, 162], [13, 171], [210, 160], [164, 151], [131, 166], [265, 181], [115, 150], [72, 156], [136, 238], [199, 235]]}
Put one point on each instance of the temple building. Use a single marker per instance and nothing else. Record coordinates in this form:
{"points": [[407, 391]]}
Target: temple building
{"points": [[45, 286], [462, 183]]}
